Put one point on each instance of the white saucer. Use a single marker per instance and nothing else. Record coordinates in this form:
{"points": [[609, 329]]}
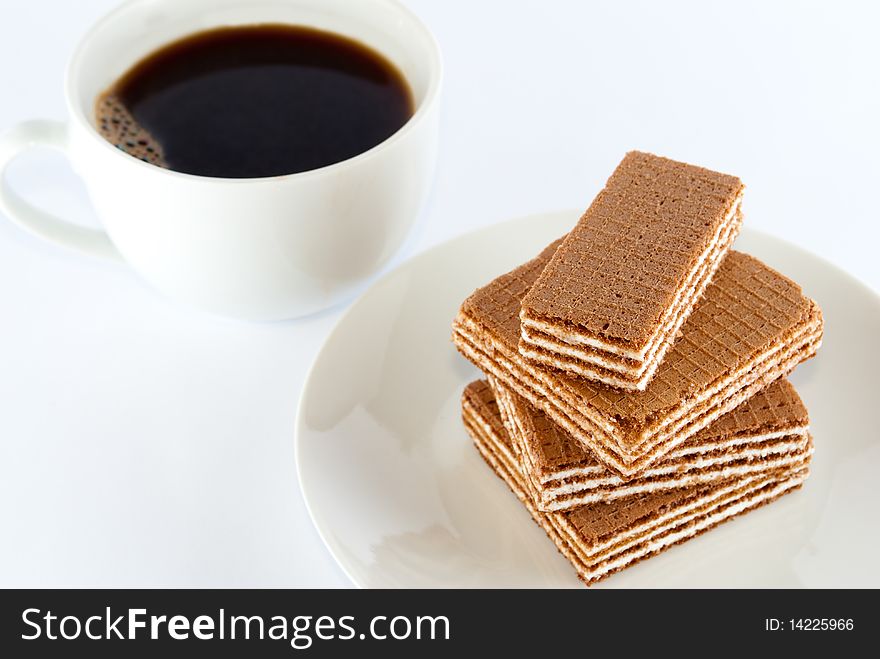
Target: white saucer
{"points": [[402, 499]]}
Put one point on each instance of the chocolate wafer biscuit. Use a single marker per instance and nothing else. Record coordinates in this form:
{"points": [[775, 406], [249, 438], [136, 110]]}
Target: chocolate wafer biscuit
{"points": [[611, 300], [766, 433], [602, 538], [751, 327]]}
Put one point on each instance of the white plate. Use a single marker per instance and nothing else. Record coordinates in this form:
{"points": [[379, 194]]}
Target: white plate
{"points": [[402, 499]]}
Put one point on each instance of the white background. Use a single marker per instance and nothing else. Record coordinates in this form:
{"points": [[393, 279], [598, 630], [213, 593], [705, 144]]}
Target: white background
{"points": [[142, 443]]}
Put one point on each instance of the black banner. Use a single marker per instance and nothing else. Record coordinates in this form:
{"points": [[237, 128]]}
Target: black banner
{"points": [[315, 623]]}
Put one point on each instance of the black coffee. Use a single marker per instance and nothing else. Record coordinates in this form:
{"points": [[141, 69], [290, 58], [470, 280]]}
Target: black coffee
{"points": [[254, 101]]}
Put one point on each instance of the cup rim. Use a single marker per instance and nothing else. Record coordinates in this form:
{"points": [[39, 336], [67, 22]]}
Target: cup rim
{"points": [[430, 97]]}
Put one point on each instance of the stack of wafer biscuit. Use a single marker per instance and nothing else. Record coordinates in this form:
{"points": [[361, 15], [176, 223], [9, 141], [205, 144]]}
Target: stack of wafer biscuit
{"points": [[635, 393]]}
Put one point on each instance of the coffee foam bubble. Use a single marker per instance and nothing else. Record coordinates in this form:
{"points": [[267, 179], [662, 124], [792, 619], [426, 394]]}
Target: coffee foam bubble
{"points": [[118, 126]]}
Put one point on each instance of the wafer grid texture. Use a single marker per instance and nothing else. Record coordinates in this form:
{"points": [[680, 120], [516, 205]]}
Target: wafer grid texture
{"points": [[746, 308], [621, 266]]}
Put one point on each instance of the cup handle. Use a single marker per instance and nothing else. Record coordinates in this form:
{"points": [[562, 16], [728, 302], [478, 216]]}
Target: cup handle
{"points": [[61, 232]]}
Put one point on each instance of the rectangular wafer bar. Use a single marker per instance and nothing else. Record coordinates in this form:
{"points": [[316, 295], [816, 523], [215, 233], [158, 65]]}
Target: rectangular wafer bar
{"points": [[606, 537], [752, 326], [768, 432], [611, 300]]}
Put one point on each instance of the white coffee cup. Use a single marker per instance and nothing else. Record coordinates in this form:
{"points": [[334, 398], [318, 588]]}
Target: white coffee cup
{"points": [[262, 248]]}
